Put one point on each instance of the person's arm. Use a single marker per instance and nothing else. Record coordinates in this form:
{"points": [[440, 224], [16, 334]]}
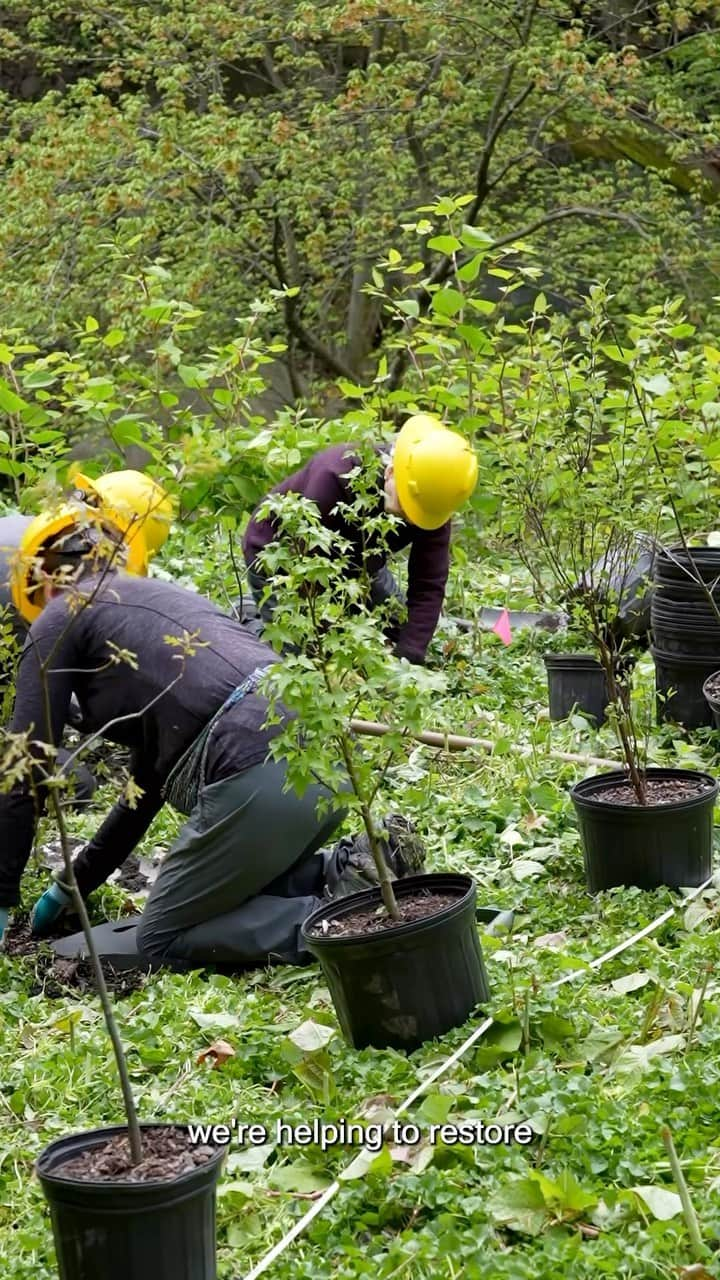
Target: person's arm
{"points": [[428, 568], [122, 830], [41, 710]]}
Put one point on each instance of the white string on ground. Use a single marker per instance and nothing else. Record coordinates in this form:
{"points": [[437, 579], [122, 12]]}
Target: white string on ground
{"points": [[330, 1192]]}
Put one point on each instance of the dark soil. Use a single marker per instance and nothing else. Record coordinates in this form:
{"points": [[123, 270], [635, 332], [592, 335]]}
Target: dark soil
{"points": [[658, 790], [167, 1153], [368, 920], [20, 942], [131, 877], [57, 977]]}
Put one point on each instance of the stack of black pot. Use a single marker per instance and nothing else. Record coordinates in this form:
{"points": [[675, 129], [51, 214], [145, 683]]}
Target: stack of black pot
{"points": [[686, 632]]}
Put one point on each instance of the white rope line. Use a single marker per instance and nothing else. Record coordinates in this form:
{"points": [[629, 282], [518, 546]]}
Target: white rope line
{"points": [[331, 1191]]}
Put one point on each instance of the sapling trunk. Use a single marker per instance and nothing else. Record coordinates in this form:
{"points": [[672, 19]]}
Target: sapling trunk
{"points": [[134, 1134], [623, 720], [381, 866]]}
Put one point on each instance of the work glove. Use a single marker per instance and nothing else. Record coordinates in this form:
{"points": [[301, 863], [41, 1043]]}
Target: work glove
{"points": [[4, 916], [48, 909]]}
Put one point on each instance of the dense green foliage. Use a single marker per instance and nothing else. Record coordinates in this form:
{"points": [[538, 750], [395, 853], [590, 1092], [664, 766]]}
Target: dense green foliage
{"points": [[504, 214], [596, 1066], [285, 147]]}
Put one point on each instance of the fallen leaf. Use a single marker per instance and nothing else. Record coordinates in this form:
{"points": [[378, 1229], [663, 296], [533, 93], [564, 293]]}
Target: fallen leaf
{"points": [[250, 1159], [631, 982], [219, 1051], [534, 821], [552, 941], [221, 1020], [511, 836], [526, 869], [663, 1204], [311, 1036]]}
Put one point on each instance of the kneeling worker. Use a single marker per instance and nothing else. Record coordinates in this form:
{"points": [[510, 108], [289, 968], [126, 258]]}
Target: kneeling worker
{"points": [[424, 477], [241, 877], [131, 502]]}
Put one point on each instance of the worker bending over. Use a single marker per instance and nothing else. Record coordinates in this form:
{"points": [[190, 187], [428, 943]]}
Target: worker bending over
{"points": [[424, 479]]}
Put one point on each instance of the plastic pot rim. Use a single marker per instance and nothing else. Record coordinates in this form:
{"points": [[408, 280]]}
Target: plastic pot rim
{"points": [[573, 660], [435, 881], [713, 700], [95, 1138], [681, 659], [581, 793]]}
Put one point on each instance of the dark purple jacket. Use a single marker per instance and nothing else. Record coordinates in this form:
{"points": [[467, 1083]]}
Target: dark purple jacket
{"points": [[324, 480]]}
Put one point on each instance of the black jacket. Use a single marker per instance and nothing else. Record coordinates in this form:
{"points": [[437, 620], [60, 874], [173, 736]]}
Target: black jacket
{"points": [[155, 707]]}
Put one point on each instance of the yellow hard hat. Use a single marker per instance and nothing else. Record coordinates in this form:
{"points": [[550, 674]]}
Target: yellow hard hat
{"points": [[45, 528], [134, 502], [435, 471]]}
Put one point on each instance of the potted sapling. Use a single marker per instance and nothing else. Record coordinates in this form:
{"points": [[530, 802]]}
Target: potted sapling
{"points": [[134, 1199], [582, 490], [402, 960]]}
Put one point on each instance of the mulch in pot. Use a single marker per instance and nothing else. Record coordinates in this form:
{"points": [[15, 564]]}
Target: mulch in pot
{"points": [[657, 790], [369, 920], [167, 1153]]}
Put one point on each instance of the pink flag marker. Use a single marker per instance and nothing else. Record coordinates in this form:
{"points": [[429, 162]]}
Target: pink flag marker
{"points": [[502, 627]]}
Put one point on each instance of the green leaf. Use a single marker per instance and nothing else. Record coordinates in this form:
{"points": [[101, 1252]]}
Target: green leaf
{"points": [[367, 1164], [9, 401], [614, 352], [447, 302], [470, 270], [445, 244], [409, 307], [39, 378], [113, 338], [520, 1206], [436, 1107], [555, 1030], [658, 385], [191, 376], [662, 1203], [299, 1176]]}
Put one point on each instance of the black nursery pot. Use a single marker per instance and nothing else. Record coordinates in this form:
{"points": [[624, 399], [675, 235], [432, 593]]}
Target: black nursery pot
{"points": [[407, 984], [679, 681], [162, 1230], [576, 681], [645, 845]]}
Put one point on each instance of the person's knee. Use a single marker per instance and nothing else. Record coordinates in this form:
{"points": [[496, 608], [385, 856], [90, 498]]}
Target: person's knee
{"points": [[151, 941]]}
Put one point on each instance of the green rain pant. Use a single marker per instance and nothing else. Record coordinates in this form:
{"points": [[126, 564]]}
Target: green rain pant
{"points": [[242, 876]]}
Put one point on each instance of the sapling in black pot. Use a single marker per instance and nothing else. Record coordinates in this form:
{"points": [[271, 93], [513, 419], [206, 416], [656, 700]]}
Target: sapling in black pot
{"points": [[402, 960], [135, 1199], [583, 492]]}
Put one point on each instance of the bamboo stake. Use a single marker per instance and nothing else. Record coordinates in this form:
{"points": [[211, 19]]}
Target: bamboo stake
{"points": [[456, 742]]}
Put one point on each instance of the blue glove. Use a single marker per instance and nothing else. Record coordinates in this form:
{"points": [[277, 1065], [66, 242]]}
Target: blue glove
{"points": [[4, 915], [48, 909]]}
